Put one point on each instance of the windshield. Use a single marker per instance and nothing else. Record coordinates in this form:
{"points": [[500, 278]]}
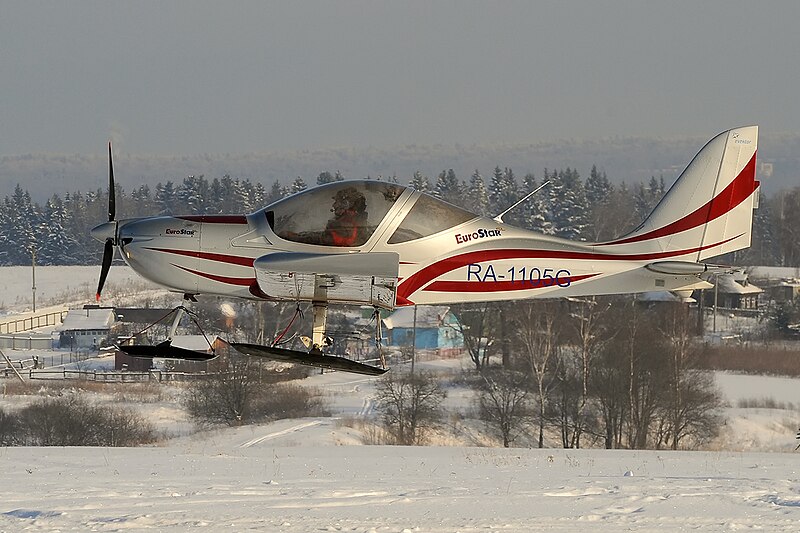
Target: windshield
{"points": [[428, 216], [338, 214]]}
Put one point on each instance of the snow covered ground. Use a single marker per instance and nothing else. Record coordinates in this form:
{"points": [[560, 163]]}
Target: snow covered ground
{"points": [[56, 285], [316, 474], [311, 475]]}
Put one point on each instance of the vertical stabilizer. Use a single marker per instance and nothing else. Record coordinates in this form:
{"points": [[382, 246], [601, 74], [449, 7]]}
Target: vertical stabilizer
{"points": [[709, 209]]}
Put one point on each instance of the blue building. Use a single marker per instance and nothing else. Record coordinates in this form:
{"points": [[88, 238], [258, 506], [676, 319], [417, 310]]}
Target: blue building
{"points": [[437, 328]]}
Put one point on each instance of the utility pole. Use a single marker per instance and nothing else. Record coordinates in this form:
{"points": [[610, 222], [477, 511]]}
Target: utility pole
{"points": [[414, 341], [716, 294], [33, 275]]}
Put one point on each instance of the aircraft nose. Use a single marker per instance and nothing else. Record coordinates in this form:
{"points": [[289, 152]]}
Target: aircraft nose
{"points": [[103, 232]]}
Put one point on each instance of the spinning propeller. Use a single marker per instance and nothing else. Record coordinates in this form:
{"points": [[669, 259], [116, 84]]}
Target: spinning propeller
{"points": [[108, 230]]}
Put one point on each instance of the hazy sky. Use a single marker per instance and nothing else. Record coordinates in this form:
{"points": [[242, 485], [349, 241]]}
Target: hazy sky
{"points": [[186, 77]]}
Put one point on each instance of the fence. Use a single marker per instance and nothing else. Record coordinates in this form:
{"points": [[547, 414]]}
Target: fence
{"points": [[114, 377], [26, 342], [33, 322]]}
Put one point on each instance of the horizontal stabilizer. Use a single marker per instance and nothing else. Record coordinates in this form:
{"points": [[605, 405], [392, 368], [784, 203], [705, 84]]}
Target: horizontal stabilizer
{"points": [[165, 350], [318, 360]]}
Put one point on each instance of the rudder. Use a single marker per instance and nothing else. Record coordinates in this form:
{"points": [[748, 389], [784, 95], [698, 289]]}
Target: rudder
{"points": [[709, 208]]}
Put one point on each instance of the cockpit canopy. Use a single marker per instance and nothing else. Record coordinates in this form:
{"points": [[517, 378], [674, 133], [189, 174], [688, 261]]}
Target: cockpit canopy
{"points": [[347, 213]]}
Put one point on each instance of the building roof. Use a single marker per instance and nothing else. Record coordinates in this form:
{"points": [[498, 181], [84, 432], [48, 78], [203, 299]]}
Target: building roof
{"points": [[87, 319], [728, 284], [428, 316], [140, 316], [664, 296]]}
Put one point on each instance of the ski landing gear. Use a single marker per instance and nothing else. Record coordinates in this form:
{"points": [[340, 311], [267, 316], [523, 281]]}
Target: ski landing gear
{"points": [[314, 357], [166, 349]]}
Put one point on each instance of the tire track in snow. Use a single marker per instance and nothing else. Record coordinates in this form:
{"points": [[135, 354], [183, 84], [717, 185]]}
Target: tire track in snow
{"points": [[281, 433], [368, 407]]}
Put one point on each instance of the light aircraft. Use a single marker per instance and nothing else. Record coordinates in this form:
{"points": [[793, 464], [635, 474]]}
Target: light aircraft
{"points": [[385, 245]]}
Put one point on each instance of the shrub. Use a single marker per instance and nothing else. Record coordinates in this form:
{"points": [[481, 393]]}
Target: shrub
{"points": [[73, 421], [243, 394], [10, 434], [409, 404]]}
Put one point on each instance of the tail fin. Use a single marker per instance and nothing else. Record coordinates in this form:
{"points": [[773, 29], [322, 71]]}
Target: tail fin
{"points": [[709, 209]]}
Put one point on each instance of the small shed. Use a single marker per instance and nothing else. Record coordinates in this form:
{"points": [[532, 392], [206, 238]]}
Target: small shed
{"points": [[86, 328], [785, 290], [436, 328]]}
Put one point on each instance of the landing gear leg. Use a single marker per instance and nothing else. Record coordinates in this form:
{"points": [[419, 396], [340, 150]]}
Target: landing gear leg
{"points": [[379, 337], [179, 312], [318, 338]]}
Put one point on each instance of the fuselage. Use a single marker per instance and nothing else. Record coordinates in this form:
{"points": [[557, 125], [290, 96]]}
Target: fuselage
{"points": [[446, 254]]}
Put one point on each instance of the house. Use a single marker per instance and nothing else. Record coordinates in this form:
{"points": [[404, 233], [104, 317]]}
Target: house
{"points": [[437, 328], [733, 292], [785, 290], [781, 284], [87, 328]]}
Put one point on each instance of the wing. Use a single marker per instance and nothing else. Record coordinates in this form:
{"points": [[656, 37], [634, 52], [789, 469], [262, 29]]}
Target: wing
{"points": [[357, 278]]}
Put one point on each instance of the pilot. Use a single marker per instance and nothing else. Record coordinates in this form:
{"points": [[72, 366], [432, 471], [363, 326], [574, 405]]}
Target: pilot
{"points": [[349, 217]]}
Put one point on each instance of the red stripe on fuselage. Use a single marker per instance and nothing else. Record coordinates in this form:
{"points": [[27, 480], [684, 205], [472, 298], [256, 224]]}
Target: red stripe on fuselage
{"points": [[734, 194], [215, 219], [245, 282], [219, 258], [501, 286], [431, 272]]}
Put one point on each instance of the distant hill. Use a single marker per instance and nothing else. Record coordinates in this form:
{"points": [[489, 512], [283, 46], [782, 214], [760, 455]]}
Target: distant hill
{"points": [[623, 159]]}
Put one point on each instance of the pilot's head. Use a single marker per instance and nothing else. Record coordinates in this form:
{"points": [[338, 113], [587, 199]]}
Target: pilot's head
{"points": [[348, 199]]}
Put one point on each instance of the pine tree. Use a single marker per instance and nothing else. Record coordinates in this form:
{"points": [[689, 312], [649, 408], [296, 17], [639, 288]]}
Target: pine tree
{"points": [[477, 197], [325, 177], [598, 196], [141, 204], [420, 183], [57, 247], [298, 185], [165, 198], [449, 189], [25, 223], [532, 213], [503, 192], [7, 240], [646, 198], [191, 195], [242, 194], [568, 205], [259, 195], [276, 192]]}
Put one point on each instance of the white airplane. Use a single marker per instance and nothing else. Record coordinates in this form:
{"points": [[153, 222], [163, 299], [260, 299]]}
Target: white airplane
{"points": [[382, 244]]}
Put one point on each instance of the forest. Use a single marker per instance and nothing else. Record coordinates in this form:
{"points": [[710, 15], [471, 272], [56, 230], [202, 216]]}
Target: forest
{"points": [[591, 209]]}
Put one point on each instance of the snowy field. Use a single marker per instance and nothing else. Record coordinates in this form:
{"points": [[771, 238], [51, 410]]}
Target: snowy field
{"points": [[291, 476], [57, 285], [316, 474]]}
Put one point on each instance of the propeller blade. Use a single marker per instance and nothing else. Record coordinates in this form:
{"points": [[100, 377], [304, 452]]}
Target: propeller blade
{"points": [[108, 256], [112, 192]]}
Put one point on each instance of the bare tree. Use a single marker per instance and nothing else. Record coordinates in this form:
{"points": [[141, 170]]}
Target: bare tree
{"points": [[538, 331], [503, 402], [409, 404], [227, 395], [591, 333], [478, 324], [691, 401]]}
